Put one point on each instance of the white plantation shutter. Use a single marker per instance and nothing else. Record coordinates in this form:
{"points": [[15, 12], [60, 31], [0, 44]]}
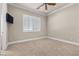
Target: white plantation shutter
{"points": [[37, 24], [25, 22], [31, 23]]}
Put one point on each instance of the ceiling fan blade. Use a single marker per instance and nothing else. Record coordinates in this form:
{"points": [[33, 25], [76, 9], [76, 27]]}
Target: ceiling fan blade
{"points": [[45, 6], [51, 3], [40, 6]]}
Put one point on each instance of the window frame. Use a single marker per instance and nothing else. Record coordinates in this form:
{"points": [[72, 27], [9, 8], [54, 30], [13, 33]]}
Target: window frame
{"points": [[33, 29]]}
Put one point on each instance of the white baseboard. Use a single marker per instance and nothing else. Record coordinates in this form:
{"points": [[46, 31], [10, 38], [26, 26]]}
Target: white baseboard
{"points": [[53, 38], [62, 40], [25, 40]]}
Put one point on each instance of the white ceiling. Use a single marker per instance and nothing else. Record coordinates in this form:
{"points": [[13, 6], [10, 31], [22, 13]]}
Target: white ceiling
{"points": [[33, 7], [42, 9]]}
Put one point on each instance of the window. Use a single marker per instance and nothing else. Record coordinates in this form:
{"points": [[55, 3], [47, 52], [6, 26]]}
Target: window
{"points": [[31, 23]]}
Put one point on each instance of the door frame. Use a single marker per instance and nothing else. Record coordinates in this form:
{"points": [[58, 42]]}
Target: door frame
{"points": [[3, 27]]}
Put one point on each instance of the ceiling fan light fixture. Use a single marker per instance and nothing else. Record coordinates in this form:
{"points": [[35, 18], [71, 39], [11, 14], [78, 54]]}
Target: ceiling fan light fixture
{"points": [[46, 5]]}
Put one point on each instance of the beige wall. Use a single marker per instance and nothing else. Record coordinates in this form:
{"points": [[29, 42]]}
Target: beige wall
{"points": [[65, 24], [15, 31]]}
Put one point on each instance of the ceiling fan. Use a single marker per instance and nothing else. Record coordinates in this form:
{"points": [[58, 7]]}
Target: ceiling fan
{"points": [[46, 5]]}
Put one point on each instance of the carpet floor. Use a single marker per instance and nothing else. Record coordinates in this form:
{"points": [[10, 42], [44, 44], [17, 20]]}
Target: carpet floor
{"points": [[43, 47]]}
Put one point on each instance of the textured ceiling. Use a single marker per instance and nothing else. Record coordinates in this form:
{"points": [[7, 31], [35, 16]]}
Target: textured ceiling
{"points": [[32, 7], [42, 9]]}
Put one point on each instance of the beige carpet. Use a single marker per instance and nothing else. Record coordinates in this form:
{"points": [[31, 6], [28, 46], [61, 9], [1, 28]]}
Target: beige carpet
{"points": [[43, 47]]}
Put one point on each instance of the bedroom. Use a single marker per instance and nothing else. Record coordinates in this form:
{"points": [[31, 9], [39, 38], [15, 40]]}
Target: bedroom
{"points": [[40, 29]]}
